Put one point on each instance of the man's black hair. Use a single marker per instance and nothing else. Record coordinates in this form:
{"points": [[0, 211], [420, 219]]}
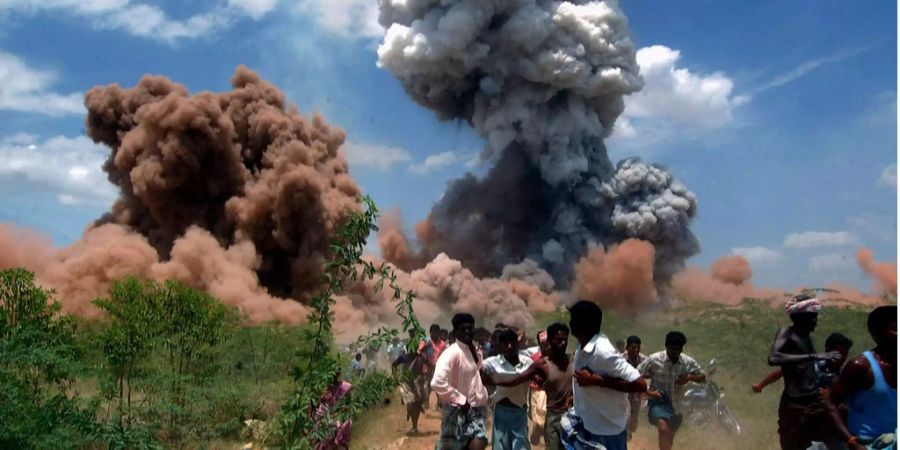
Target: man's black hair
{"points": [[434, 328], [358, 355], [460, 319], [507, 335], [676, 338], [837, 340], [555, 328], [881, 317], [633, 340], [585, 317]]}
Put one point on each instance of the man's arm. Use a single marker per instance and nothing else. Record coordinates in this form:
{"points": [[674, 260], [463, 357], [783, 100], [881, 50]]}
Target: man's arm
{"points": [[772, 377], [440, 383], [851, 380], [694, 373], [778, 355], [585, 378], [536, 369], [620, 375]]}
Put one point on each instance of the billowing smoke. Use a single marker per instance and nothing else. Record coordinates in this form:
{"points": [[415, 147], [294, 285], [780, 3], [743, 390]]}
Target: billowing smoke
{"points": [[727, 282], [239, 164], [443, 287], [543, 83], [731, 269], [885, 274], [232, 192], [620, 279]]}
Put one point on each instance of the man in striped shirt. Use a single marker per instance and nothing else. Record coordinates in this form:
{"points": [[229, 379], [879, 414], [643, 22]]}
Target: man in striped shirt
{"points": [[668, 372]]}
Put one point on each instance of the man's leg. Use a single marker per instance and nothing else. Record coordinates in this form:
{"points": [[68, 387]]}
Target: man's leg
{"points": [[615, 442], [553, 431], [413, 410], [665, 434]]}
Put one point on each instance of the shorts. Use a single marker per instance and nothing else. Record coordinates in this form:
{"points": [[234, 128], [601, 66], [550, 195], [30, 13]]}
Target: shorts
{"points": [[662, 409]]}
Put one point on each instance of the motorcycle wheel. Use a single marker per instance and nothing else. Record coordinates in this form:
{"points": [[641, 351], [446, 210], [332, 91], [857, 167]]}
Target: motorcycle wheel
{"points": [[696, 417], [728, 420]]}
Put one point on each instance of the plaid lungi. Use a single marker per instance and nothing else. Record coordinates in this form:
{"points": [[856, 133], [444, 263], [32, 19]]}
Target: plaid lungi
{"points": [[458, 428]]}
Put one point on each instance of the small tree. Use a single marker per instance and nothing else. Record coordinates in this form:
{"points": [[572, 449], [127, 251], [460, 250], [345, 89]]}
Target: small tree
{"points": [[159, 340], [38, 362], [296, 427]]}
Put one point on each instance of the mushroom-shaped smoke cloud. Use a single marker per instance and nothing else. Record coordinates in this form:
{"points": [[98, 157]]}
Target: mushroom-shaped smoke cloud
{"points": [[542, 82]]}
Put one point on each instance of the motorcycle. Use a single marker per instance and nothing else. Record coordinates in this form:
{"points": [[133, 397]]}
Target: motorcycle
{"points": [[703, 402]]}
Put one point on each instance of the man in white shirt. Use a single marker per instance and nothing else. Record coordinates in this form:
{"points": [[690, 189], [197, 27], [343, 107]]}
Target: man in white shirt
{"points": [[603, 379], [510, 402], [457, 383]]}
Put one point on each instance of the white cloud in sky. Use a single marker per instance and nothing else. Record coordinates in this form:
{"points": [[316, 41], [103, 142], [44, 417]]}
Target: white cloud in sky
{"points": [[146, 19], [439, 161], [758, 256], [804, 68], [888, 176], [374, 156], [254, 8], [832, 263], [344, 18], [26, 89], [812, 239], [675, 99], [69, 168]]}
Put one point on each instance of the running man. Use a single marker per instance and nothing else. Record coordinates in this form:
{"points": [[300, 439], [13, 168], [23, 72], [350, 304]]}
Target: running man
{"points": [[555, 371], [412, 389], [868, 385], [430, 348], [634, 357], [457, 383], [603, 379], [669, 371], [510, 402]]}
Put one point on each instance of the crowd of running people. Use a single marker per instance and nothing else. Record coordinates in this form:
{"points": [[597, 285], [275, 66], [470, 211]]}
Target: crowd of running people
{"points": [[591, 400]]}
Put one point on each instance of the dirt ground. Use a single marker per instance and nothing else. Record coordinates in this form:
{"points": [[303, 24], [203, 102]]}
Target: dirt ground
{"points": [[387, 429]]}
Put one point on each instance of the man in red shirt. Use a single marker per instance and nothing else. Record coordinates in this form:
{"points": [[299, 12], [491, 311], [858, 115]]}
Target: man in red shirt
{"points": [[431, 348]]}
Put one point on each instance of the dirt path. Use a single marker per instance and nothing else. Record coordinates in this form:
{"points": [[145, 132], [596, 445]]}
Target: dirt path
{"points": [[388, 431]]}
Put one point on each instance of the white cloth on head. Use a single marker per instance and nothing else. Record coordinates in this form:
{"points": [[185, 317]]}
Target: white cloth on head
{"points": [[811, 305]]}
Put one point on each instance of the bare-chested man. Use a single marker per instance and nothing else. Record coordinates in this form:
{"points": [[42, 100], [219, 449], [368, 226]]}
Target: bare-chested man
{"points": [[802, 415]]}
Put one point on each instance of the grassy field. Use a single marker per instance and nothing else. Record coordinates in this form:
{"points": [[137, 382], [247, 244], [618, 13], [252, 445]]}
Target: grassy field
{"points": [[738, 337]]}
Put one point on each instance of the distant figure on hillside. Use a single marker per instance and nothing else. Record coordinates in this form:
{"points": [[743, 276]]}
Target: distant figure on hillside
{"points": [[826, 371], [603, 379], [802, 415], [634, 357], [510, 402], [669, 371], [457, 383], [868, 386], [356, 365]]}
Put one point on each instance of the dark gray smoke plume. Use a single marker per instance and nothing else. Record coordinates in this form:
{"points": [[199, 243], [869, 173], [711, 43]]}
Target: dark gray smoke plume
{"points": [[542, 82]]}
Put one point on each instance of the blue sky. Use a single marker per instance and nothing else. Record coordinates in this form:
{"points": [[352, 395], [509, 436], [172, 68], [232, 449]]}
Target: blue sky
{"points": [[780, 116]]}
